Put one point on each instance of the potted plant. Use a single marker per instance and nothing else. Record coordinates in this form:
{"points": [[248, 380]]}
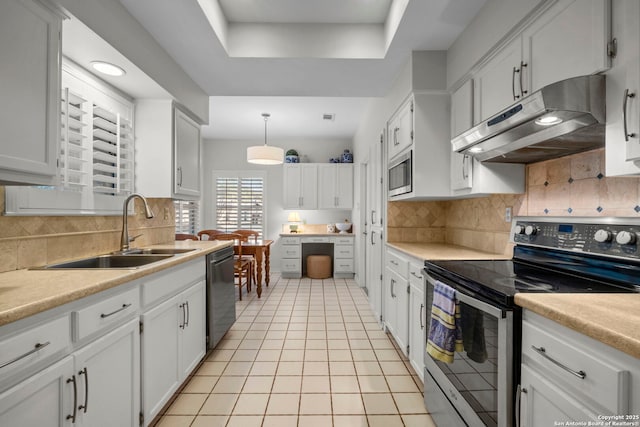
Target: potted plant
{"points": [[291, 156]]}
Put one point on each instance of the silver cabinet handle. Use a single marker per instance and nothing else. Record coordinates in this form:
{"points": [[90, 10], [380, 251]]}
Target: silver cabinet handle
{"points": [[37, 347], [465, 168], [541, 350], [124, 307], [513, 83], [180, 174], [186, 323], [393, 282], [86, 389], [417, 276], [421, 322], [72, 417], [184, 316], [372, 233], [373, 213], [395, 136], [626, 96], [522, 67], [518, 405], [394, 262]]}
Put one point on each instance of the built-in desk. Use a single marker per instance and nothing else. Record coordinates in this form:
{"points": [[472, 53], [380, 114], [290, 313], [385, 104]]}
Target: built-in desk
{"points": [[295, 249]]}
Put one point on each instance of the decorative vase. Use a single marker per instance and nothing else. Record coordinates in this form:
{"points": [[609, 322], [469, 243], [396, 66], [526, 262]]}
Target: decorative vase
{"points": [[347, 157], [291, 159]]}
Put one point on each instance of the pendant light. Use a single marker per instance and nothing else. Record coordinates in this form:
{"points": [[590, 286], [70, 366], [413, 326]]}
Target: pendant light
{"points": [[265, 154]]}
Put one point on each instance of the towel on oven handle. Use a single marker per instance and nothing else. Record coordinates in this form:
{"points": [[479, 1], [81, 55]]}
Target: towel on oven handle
{"points": [[445, 333]]}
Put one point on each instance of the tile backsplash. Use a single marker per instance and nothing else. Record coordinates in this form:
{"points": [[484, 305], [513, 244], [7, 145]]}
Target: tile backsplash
{"points": [[29, 241], [570, 186]]}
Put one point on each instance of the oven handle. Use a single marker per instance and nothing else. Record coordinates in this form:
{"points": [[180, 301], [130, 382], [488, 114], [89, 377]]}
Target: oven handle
{"points": [[480, 305]]}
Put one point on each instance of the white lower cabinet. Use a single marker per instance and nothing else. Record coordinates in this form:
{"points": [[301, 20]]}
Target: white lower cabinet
{"points": [[396, 299], [417, 322], [173, 342], [567, 376], [44, 400]]}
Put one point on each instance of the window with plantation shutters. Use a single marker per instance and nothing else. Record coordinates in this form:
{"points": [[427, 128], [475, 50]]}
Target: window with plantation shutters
{"points": [[187, 216], [240, 202]]}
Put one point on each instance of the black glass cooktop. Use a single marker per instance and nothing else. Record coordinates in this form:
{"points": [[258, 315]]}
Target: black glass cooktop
{"points": [[537, 271]]}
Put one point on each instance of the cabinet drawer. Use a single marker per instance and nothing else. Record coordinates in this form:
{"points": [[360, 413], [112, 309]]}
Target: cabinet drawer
{"points": [[317, 239], [398, 264], [169, 282], [343, 265], [290, 240], [604, 384], [291, 251], [343, 240], [291, 265], [415, 275], [105, 313], [340, 251], [33, 346]]}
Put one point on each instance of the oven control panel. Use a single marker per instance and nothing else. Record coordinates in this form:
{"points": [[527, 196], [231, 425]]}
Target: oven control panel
{"points": [[600, 236]]}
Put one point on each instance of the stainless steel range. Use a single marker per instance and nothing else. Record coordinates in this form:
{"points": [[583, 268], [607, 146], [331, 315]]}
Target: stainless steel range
{"points": [[552, 254]]}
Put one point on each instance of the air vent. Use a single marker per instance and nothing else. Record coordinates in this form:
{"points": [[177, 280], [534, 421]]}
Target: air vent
{"points": [[329, 116]]}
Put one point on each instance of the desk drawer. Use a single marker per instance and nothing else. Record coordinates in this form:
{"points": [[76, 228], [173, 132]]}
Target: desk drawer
{"points": [[291, 265], [105, 313], [317, 239], [340, 251], [398, 264], [290, 240], [343, 265], [343, 240], [291, 251]]}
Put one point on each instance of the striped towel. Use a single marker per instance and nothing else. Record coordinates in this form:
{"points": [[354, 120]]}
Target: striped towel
{"points": [[445, 334]]}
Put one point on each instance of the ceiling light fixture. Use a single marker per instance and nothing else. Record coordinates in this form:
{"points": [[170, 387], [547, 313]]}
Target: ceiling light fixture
{"points": [[265, 154], [108, 68]]}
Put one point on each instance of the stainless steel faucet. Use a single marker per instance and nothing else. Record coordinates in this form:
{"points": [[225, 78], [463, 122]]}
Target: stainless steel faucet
{"points": [[124, 240]]}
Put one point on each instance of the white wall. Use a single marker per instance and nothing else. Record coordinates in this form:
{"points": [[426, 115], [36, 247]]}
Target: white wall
{"points": [[218, 155]]}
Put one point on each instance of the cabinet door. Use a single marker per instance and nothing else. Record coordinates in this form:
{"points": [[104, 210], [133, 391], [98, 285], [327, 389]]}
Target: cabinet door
{"points": [[391, 285], [300, 186], [568, 40], [186, 155], [416, 330], [497, 82], [623, 148], [344, 187], [108, 373], [328, 183], [45, 399], [30, 87], [401, 130], [543, 403], [193, 330], [401, 292], [160, 353], [374, 263], [309, 187]]}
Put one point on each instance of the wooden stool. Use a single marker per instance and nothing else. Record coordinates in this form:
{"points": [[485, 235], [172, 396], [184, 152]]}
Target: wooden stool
{"points": [[319, 266]]}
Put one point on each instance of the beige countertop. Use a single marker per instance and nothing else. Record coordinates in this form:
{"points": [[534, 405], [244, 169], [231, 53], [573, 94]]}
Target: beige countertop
{"points": [[613, 319], [316, 234], [443, 251], [24, 293]]}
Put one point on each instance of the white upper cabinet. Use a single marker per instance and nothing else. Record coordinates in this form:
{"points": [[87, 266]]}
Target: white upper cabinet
{"points": [[461, 120], [167, 138], [623, 83], [400, 130], [300, 186], [30, 87], [335, 189], [568, 39]]}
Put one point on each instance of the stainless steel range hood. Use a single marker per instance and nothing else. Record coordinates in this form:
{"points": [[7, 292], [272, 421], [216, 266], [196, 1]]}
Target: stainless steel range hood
{"points": [[562, 118]]}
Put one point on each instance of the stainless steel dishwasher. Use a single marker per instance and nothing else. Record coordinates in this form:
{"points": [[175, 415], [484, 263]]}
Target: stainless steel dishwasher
{"points": [[221, 296]]}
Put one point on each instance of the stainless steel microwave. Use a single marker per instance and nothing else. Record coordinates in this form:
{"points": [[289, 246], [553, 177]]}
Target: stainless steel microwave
{"points": [[401, 174]]}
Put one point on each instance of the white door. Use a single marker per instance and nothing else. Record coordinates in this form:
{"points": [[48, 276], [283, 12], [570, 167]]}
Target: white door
{"points": [[401, 292], [108, 372], [160, 352], [497, 84], [193, 344], [186, 155], [43, 400], [416, 328], [374, 259]]}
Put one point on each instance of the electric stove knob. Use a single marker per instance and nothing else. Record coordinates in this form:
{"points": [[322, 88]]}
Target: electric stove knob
{"points": [[518, 229], [626, 238], [530, 230], [602, 236]]}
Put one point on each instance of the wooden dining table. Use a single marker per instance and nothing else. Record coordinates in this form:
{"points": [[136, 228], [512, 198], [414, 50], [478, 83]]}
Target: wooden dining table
{"points": [[260, 249]]}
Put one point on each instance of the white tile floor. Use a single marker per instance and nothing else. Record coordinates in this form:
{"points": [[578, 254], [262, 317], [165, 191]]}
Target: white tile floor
{"points": [[308, 353]]}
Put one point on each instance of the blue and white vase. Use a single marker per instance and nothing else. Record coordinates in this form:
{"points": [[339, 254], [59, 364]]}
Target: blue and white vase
{"points": [[347, 157]]}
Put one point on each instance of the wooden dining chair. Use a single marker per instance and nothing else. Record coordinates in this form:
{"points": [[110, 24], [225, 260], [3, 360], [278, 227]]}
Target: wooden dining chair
{"points": [[250, 235], [185, 236], [243, 265], [211, 234]]}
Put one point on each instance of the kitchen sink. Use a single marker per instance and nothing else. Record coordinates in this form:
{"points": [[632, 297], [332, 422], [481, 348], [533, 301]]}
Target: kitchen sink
{"points": [[110, 262]]}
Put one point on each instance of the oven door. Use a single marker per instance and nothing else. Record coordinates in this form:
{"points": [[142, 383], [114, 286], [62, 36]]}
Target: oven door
{"points": [[400, 175], [479, 383]]}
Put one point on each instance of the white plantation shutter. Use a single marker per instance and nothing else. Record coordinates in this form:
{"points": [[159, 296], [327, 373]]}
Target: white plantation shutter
{"points": [[187, 216], [240, 203]]}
